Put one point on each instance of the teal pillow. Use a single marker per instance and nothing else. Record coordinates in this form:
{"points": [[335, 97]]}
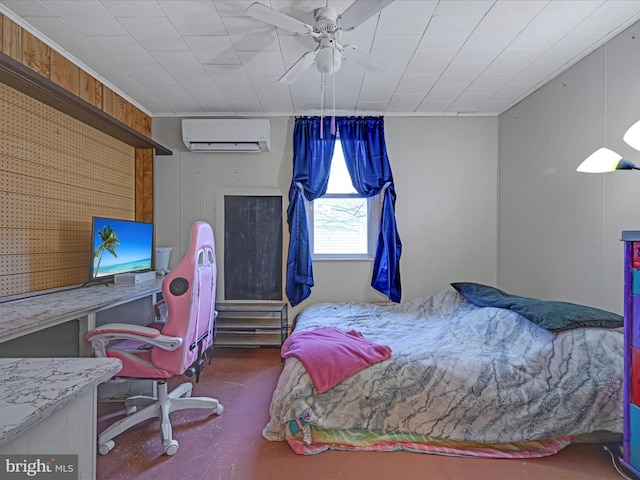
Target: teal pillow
{"points": [[552, 315]]}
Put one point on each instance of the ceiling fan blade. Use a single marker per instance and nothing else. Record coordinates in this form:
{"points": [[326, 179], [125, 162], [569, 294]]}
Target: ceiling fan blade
{"points": [[363, 60], [359, 11], [298, 68], [261, 12]]}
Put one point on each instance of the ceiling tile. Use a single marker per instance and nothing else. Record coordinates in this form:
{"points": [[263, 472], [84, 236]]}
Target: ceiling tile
{"points": [[462, 72], [213, 50], [122, 49], [405, 17], [448, 32], [273, 96], [464, 7], [66, 36], [179, 63], [537, 72], [88, 17], [193, 17], [138, 8], [565, 50], [545, 30], [376, 93], [469, 102], [34, 8], [445, 92], [150, 75], [483, 46], [431, 61], [203, 90], [512, 91], [404, 103], [489, 83], [234, 8], [372, 108], [154, 33], [246, 34], [394, 49], [262, 63], [514, 60], [412, 84], [153, 103]]}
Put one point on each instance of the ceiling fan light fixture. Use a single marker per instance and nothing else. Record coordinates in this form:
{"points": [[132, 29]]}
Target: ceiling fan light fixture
{"points": [[328, 60], [327, 33], [632, 137], [604, 160]]}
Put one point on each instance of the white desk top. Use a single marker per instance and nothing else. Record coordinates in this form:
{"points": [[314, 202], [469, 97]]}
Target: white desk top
{"points": [[27, 315], [31, 389]]}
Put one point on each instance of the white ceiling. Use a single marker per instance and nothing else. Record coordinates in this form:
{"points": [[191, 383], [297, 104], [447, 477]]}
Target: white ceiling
{"points": [[206, 57]]}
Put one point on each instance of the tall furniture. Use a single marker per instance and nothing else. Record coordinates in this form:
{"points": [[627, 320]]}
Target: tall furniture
{"points": [[631, 427]]}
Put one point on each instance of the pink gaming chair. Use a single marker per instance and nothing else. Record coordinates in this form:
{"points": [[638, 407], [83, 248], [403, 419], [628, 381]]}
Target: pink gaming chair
{"points": [[163, 350]]}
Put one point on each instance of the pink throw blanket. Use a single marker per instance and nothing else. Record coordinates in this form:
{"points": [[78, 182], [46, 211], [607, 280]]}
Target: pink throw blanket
{"points": [[331, 355]]}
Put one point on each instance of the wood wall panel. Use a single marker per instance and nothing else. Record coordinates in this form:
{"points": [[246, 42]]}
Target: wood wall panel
{"points": [[56, 173], [146, 125], [99, 87], [11, 39], [36, 54], [107, 100], [65, 73], [144, 184]]}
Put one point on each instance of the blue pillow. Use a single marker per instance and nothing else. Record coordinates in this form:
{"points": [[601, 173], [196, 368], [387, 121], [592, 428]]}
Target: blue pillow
{"points": [[552, 315]]}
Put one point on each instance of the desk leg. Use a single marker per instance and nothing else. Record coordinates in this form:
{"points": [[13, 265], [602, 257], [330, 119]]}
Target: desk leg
{"points": [[86, 324]]}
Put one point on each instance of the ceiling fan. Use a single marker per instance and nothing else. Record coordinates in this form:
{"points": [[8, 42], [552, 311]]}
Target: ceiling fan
{"points": [[329, 53]]}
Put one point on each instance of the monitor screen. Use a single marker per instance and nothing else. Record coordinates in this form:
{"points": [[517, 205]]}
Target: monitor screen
{"points": [[120, 246]]}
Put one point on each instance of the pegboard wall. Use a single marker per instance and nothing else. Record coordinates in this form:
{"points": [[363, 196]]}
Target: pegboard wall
{"points": [[56, 173]]}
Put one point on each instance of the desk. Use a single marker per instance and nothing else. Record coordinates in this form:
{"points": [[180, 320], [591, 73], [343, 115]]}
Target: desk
{"points": [[28, 326], [48, 407]]}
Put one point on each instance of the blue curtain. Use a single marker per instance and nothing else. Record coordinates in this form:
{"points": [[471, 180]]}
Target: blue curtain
{"points": [[366, 158]]}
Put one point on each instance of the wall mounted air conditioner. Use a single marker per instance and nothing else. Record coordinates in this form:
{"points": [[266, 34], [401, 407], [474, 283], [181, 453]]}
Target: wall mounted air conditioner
{"points": [[226, 134]]}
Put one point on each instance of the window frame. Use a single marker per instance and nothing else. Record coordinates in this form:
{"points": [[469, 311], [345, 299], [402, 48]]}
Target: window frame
{"points": [[373, 221]]}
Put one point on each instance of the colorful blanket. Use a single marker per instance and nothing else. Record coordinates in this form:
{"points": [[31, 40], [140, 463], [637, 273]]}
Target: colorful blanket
{"points": [[331, 355], [459, 372]]}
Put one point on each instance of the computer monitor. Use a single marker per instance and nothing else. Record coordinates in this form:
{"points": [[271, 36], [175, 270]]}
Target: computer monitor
{"points": [[120, 246]]}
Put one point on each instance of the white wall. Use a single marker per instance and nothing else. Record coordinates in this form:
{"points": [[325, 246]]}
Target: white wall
{"points": [[445, 172], [560, 229]]}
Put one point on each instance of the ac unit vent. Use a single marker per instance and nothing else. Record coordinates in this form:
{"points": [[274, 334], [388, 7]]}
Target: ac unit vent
{"points": [[226, 135]]}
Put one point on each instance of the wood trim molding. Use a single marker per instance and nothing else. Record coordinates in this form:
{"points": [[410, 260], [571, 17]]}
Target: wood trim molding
{"points": [[25, 80]]}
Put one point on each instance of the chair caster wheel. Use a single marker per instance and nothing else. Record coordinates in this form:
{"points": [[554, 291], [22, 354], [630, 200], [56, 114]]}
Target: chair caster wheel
{"points": [[106, 447], [219, 410], [171, 448]]}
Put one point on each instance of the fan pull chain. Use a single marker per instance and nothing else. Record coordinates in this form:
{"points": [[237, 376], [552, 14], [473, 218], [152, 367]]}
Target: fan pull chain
{"points": [[323, 84], [333, 116]]}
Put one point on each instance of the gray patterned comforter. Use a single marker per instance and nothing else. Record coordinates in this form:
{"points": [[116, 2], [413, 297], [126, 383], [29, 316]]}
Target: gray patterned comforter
{"points": [[460, 372]]}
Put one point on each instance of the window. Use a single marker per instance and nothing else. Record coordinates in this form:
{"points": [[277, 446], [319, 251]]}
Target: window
{"points": [[342, 224]]}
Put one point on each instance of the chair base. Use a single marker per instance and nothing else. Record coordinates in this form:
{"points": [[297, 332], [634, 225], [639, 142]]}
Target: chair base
{"points": [[140, 408]]}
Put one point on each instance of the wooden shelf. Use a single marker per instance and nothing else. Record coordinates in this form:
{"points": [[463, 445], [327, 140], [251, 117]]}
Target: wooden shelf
{"points": [[25, 80]]}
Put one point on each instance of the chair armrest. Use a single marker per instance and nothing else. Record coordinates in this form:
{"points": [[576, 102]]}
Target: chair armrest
{"points": [[102, 335]]}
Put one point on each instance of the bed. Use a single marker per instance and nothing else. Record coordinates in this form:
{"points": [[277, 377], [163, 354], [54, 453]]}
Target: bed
{"points": [[471, 372]]}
